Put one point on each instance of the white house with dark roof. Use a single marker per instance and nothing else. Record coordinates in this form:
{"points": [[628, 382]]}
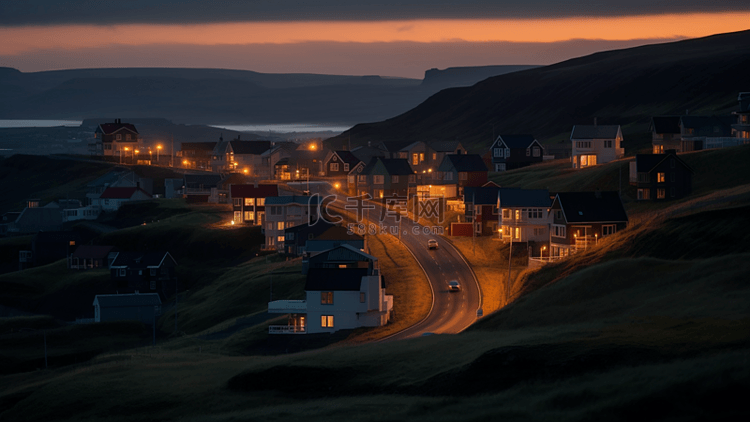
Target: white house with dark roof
{"points": [[143, 307], [524, 215], [335, 299], [113, 198], [597, 144]]}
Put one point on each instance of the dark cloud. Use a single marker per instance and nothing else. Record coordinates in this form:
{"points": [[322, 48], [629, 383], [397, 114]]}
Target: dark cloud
{"points": [[106, 12], [405, 59]]}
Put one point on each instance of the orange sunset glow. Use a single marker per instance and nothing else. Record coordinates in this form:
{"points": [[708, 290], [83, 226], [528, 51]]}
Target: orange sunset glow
{"points": [[71, 37]]}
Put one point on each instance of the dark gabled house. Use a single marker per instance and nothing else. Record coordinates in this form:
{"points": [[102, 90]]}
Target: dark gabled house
{"points": [[458, 171], [116, 139], [296, 237], [697, 132], [32, 219], [665, 134], [333, 237], [198, 187], [480, 207], [300, 164], [390, 177], [341, 164], [249, 202], [510, 152], [395, 149], [660, 177], [742, 127], [89, 257], [196, 155], [342, 256], [145, 272], [582, 219]]}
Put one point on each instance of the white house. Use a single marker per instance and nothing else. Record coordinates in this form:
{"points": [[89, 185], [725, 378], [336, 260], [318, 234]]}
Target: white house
{"points": [[597, 144], [524, 216], [112, 198], [336, 299]]}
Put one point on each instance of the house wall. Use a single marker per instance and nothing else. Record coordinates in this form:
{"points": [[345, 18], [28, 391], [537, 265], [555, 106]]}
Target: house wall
{"points": [[603, 155], [677, 182], [144, 314], [523, 227], [289, 215]]}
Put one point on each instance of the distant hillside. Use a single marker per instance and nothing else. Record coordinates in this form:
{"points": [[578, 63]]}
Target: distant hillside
{"points": [[618, 87], [220, 96]]}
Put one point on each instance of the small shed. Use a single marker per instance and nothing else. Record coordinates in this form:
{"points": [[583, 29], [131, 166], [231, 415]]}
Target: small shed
{"points": [[127, 307]]}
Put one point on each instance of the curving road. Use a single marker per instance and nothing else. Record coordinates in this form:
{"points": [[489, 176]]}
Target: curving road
{"points": [[451, 312]]}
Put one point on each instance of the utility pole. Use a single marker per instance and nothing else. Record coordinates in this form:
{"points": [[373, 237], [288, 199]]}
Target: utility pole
{"points": [[510, 254], [473, 221]]}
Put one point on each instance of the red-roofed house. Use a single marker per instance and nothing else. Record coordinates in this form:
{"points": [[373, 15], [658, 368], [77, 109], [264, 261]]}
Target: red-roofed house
{"points": [[116, 139], [249, 202], [112, 198]]}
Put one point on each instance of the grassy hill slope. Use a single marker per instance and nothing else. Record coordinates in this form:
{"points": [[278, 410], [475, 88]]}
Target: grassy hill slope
{"points": [[623, 87]]}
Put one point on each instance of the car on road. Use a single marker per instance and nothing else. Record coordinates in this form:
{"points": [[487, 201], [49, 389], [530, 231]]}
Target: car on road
{"points": [[454, 286], [432, 244]]}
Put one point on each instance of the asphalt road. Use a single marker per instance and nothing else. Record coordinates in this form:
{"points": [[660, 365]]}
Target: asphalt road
{"points": [[451, 312]]}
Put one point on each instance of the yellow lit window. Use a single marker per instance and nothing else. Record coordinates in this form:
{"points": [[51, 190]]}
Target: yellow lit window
{"points": [[249, 201], [326, 298], [326, 321], [661, 178]]}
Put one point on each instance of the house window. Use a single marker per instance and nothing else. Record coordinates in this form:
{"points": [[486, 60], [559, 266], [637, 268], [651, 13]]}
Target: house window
{"points": [[249, 216], [434, 156], [122, 272], [671, 177], [362, 178], [528, 152], [497, 152], [289, 236], [607, 144], [350, 180], [415, 159], [269, 226], [608, 229], [237, 216], [249, 202], [326, 298], [661, 178], [334, 166], [536, 151], [644, 194], [412, 178], [507, 152], [643, 178], [394, 179], [280, 239], [463, 175], [127, 137], [280, 225], [326, 321], [362, 297], [118, 137], [260, 202], [661, 193], [500, 167], [518, 214], [558, 230], [378, 179], [538, 231], [506, 214], [346, 166], [448, 175], [152, 271], [237, 202]]}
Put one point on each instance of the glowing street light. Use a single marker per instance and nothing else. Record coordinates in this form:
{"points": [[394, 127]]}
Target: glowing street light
{"points": [[126, 150], [158, 150]]}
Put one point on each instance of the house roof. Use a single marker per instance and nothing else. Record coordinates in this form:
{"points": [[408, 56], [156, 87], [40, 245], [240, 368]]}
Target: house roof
{"points": [[332, 279], [393, 146], [121, 193], [666, 124], [393, 166], [293, 199], [250, 147], [111, 177], [463, 162], [517, 141], [348, 157], [253, 191], [136, 260], [198, 146], [591, 207], [39, 216], [710, 126], [511, 197], [126, 300], [481, 195], [93, 251], [595, 131], [338, 233], [110, 128], [366, 154], [205, 180], [644, 163], [445, 146]]}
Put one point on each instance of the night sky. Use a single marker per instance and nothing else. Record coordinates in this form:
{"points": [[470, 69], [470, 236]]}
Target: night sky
{"points": [[390, 38]]}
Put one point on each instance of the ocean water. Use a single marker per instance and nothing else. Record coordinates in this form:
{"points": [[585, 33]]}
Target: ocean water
{"points": [[286, 127], [6, 124]]}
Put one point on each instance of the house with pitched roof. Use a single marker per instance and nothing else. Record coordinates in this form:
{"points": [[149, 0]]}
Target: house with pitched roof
{"points": [[659, 177], [249, 202], [665, 134], [741, 128], [510, 152], [112, 139], [340, 163], [705, 132], [333, 237], [198, 188], [458, 171], [344, 290], [145, 272], [283, 212], [597, 144], [241, 156], [389, 177], [579, 220], [480, 208], [142, 307], [296, 237], [90, 257], [196, 155], [112, 198], [524, 216], [32, 219]]}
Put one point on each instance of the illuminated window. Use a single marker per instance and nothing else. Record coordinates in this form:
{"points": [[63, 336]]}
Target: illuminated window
{"points": [[362, 297], [661, 193], [280, 239], [334, 166], [326, 321], [326, 298], [249, 216], [249, 201], [660, 177], [415, 159], [237, 215], [280, 225], [346, 166], [421, 157], [518, 214], [434, 156], [260, 202]]}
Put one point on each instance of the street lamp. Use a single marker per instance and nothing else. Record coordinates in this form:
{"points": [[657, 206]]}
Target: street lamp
{"points": [[158, 150], [135, 152], [541, 253], [126, 150]]}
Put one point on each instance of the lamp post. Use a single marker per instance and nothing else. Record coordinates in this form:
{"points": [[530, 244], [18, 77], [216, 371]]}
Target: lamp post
{"points": [[541, 252], [158, 150], [133, 159], [126, 150]]}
